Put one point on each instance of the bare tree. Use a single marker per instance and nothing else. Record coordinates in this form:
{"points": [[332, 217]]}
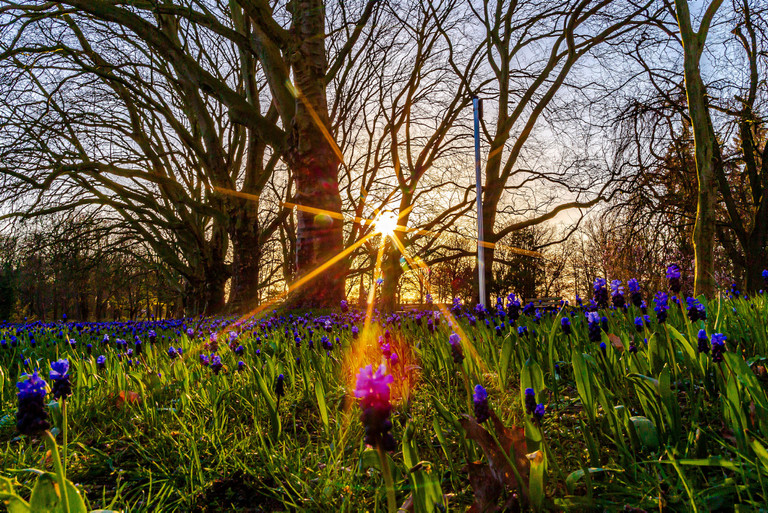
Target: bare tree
{"points": [[707, 156]]}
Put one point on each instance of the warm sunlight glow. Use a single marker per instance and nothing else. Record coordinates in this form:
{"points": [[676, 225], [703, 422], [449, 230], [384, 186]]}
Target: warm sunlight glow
{"points": [[386, 223]]}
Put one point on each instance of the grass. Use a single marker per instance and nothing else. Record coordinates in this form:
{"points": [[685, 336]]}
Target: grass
{"points": [[664, 428]]}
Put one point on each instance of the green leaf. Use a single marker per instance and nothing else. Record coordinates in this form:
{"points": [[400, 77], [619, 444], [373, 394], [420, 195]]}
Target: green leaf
{"points": [[370, 459], [652, 381], [574, 477], [646, 431], [271, 405], [506, 355], [536, 479], [320, 394], [12, 502], [583, 383], [708, 462], [690, 352], [761, 453], [426, 488], [531, 376], [46, 496]]}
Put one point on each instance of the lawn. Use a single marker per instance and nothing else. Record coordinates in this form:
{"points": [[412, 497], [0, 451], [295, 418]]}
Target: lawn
{"points": [[579, 407]]}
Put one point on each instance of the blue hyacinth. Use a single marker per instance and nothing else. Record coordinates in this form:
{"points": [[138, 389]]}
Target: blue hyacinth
{"points": [[601, 293], [718, 347], [31, 417], [617, 294], [61, 387], [480, 401], [673, 275]]}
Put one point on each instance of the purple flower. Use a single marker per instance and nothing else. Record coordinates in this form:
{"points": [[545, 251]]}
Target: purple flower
{"points": [[61, 386], [241, 366], [373, 388], [703, 341], [204, 360], [529, 308], [394, 358], [344, 306], [634, 292], [673, 275], [173, 353], [539, 412], [593, 326], [601, 293], [696, 311], [101, 361], [565, 323], [661, 300], [513, 307], [456, 306], [480, 400], [530, 401], [31, 417], [373, 392], [456, 350], [617, 294], [718, 347], [215, 363]]}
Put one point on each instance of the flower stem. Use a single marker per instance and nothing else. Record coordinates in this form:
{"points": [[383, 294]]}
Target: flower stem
{"points": [[390, 485], [64, 434], [62, 480]]}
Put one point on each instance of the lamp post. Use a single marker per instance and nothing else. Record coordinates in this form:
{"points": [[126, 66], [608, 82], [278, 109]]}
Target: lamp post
{"points": [[477, 107]]}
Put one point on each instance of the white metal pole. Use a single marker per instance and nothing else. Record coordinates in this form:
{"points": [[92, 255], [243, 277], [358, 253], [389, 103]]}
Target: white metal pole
{"points": [[477, 106]]}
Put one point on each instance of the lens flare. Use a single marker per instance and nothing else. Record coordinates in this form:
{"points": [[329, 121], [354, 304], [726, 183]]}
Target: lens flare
{"points": [[386, 223]]}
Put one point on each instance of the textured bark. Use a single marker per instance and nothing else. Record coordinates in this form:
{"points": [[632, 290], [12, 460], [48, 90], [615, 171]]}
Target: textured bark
{"points": [[246, 247], [707, 156], [392, 272], [314, 163]]}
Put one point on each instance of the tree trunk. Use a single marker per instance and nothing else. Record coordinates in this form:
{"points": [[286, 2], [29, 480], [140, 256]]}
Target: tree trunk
{"points": [[392, 272], [246, 248], [314, 162], [213, 293], [704, 141]]}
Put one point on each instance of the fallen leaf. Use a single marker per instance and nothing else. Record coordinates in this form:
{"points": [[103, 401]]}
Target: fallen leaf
{"points": [[486, 486], [512, 442], [616, 342], [127, 397]]}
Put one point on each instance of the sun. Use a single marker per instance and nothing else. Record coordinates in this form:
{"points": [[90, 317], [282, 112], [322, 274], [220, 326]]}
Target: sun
{"points": [[385, 223]]}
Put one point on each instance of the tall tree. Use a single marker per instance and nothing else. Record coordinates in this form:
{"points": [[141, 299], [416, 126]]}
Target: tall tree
{"points": [[708, 158], [290, 42], [532, 50]]}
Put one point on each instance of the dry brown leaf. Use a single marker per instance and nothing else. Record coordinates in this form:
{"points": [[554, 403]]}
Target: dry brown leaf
{"points": [[616, 342], [486, 486], [127, 397], [512, 442]]}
